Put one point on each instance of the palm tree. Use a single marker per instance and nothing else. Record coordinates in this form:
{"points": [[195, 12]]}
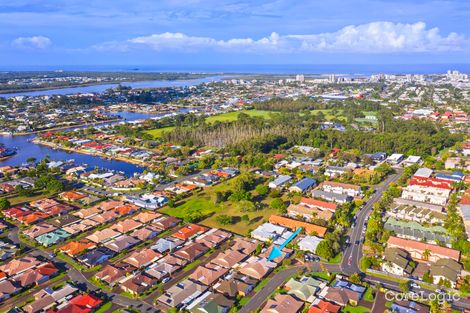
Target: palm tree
{"points": [[426, 254]]}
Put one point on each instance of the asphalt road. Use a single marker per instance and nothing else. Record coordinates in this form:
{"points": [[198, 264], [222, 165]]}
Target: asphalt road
{"points": [[260, 297], [353, 253]]}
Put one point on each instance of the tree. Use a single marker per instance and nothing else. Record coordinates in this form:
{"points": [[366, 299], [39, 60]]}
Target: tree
{"points": [[355, 278], [54, 186], [427, 277], [405, 286], [224, 219], [426, 254], [278, 204], [262, 190], [4, 203], [325, 249]]}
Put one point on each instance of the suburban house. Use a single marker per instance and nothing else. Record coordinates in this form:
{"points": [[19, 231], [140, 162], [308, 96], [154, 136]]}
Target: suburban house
{"points": [[423, 251], [280, 181], [304, 288], [294, 225], [303, 185], [446, 270], [281, 304], [182, 294], [397, 262]]}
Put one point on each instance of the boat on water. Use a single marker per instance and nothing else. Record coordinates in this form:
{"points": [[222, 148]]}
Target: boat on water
{"points": [[6, 152]]}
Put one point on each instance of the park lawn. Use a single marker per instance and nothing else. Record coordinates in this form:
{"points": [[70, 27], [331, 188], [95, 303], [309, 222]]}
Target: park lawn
{"points": [[15, 200], [323, 275], [327, 113], [158, 132], [232, 116], [355, 309], [203, 202]]}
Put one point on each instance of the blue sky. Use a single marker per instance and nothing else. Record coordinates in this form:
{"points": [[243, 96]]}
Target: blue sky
{"points": [[152, 32]]}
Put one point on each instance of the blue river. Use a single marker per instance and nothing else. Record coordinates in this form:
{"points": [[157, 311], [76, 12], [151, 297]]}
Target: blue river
{"points": [[27, 149], [101, 88]]}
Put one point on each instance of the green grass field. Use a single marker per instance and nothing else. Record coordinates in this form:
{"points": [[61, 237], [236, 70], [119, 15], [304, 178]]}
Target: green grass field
{"points": [[203, 202], [232, 116], [157, 132]]}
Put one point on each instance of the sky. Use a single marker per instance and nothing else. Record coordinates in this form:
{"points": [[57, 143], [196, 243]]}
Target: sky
{"points": [[168, 32]]}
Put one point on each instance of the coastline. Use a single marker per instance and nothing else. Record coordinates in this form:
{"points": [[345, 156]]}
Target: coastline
{"points": [[63, 127], [92, 84], [101, 155]]}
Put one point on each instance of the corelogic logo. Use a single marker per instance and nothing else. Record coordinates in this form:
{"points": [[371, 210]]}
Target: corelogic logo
{"points": [[441, 297]]}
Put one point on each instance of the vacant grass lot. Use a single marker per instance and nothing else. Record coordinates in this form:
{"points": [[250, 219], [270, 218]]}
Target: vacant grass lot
{"points": [[232, 116], [203, 202]]}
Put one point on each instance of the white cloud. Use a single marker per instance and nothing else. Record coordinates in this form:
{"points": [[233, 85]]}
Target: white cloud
{"points": [[375, 37], [39, 42]]}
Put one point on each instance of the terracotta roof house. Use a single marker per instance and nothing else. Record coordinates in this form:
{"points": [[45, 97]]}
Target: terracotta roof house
{"points": [[244, 245], [74, 248], [16, 212], [142, 258], [111, 275], [47, 298], [257, 268], [39, 230], [182, 293], [36, 276], [145, 217], [126, 225], [121, 243], [191, 251], [138, 284], [286, 252], [341, 296], [308, 213], [43, 204], [417, 250], [322, 306], [282, 304], [294, 224], [109, 205], [213, 238], [87, 213], [19, 265], [32, 218], [104, 217], [103, 235], [189, 231], [233, 287], [71, 196], [126, 209], [166, 222], [80, 227], [208, 274], [145, 233], [229, 258], [58, 209]]}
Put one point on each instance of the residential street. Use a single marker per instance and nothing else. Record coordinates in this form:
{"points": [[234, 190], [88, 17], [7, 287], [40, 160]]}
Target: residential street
{"points": [[353, 253], [277, 280]]}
